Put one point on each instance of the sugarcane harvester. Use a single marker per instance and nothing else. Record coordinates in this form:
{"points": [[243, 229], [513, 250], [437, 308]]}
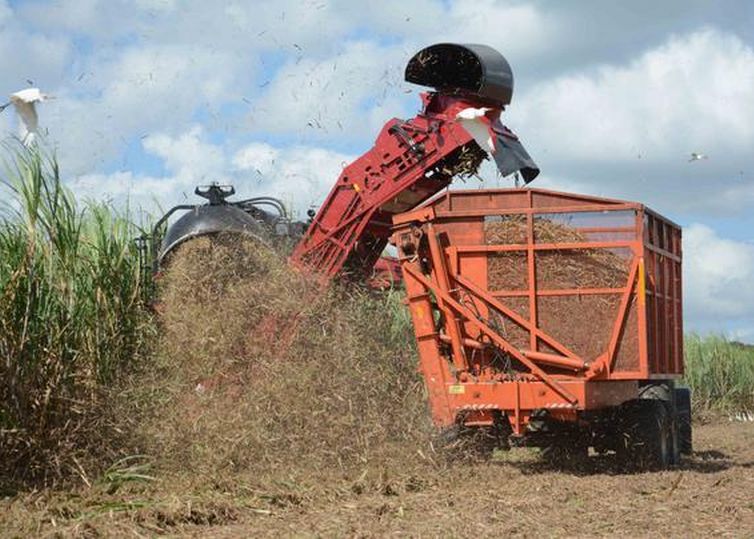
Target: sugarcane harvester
{"points": [[501, 342]]}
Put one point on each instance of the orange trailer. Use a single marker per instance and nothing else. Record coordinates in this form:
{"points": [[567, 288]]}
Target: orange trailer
{"points": [[549, 317]]}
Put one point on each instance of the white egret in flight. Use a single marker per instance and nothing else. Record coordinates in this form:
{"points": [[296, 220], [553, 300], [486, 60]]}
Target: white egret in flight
{"points": [[24, 101]]}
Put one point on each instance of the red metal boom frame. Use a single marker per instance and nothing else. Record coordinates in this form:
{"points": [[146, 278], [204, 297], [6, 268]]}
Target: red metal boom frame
{"points": [[403, 169]]}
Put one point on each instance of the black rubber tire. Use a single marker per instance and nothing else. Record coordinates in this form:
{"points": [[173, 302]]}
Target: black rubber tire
{"points": [[675, 439], [647, 434], [683, 412], [665, 392]]}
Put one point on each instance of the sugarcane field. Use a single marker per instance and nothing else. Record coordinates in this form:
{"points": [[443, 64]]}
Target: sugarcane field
{"points": [[316, 268]]}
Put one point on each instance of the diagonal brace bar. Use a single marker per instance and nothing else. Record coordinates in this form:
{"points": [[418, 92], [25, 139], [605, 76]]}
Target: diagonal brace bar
{"points": [[478, 292], [620, 321], [502, 343]]}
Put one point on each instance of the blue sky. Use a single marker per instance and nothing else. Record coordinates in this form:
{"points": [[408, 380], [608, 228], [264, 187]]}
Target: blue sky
{"points": [[156, 96]]}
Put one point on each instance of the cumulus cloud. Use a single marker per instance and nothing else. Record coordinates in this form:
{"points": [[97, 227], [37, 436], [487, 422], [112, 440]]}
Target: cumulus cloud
{"points": [[695, 91], [329, 99], [522, 31], [319, 80], [188, 155], [28, 54], [189, 159], [123, 186], [627, 130], [736, 193], [145, 90], [77, 16], [718, 275], [300, 175], [349, 94], [5, 12]]}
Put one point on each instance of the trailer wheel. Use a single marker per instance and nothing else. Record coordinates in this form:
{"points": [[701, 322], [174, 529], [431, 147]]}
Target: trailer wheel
{"points": [[648, 434], [675, 439], [683, 412]]}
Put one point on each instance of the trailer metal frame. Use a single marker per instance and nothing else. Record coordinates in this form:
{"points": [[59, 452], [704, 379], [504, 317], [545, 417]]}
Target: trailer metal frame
{"points": [[444, 261]]}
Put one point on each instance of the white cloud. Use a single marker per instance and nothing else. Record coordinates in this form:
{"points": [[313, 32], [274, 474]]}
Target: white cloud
{"points": [[157, 5], [735, 193], [301, 175], [256, 157], [718, 275], [627, 130], [28, 54], [72, 15], [694, 93], [189, 161], [123, 186], [145, 90], [519, 31], [171, 69], [242, 27], [188, 156], [5, 12], [330, 99]]}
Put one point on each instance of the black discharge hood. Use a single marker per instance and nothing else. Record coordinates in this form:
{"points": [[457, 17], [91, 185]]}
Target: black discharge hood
{"points": [[472, 69], [480, 72]]}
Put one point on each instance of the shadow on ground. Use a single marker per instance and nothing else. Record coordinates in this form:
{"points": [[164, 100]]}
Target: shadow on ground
{"points": [[706, 462]]}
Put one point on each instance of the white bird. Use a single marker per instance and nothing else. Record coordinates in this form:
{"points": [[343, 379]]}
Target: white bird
{"points": [[471, 119], [24, 101], [697, 157]]}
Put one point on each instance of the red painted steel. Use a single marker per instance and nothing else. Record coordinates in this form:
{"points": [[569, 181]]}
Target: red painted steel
{"points": [[404, 168], [386, 273], [483, 351]]}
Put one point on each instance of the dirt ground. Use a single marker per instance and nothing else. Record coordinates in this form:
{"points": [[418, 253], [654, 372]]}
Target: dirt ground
{"points": [[711, 493]]}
